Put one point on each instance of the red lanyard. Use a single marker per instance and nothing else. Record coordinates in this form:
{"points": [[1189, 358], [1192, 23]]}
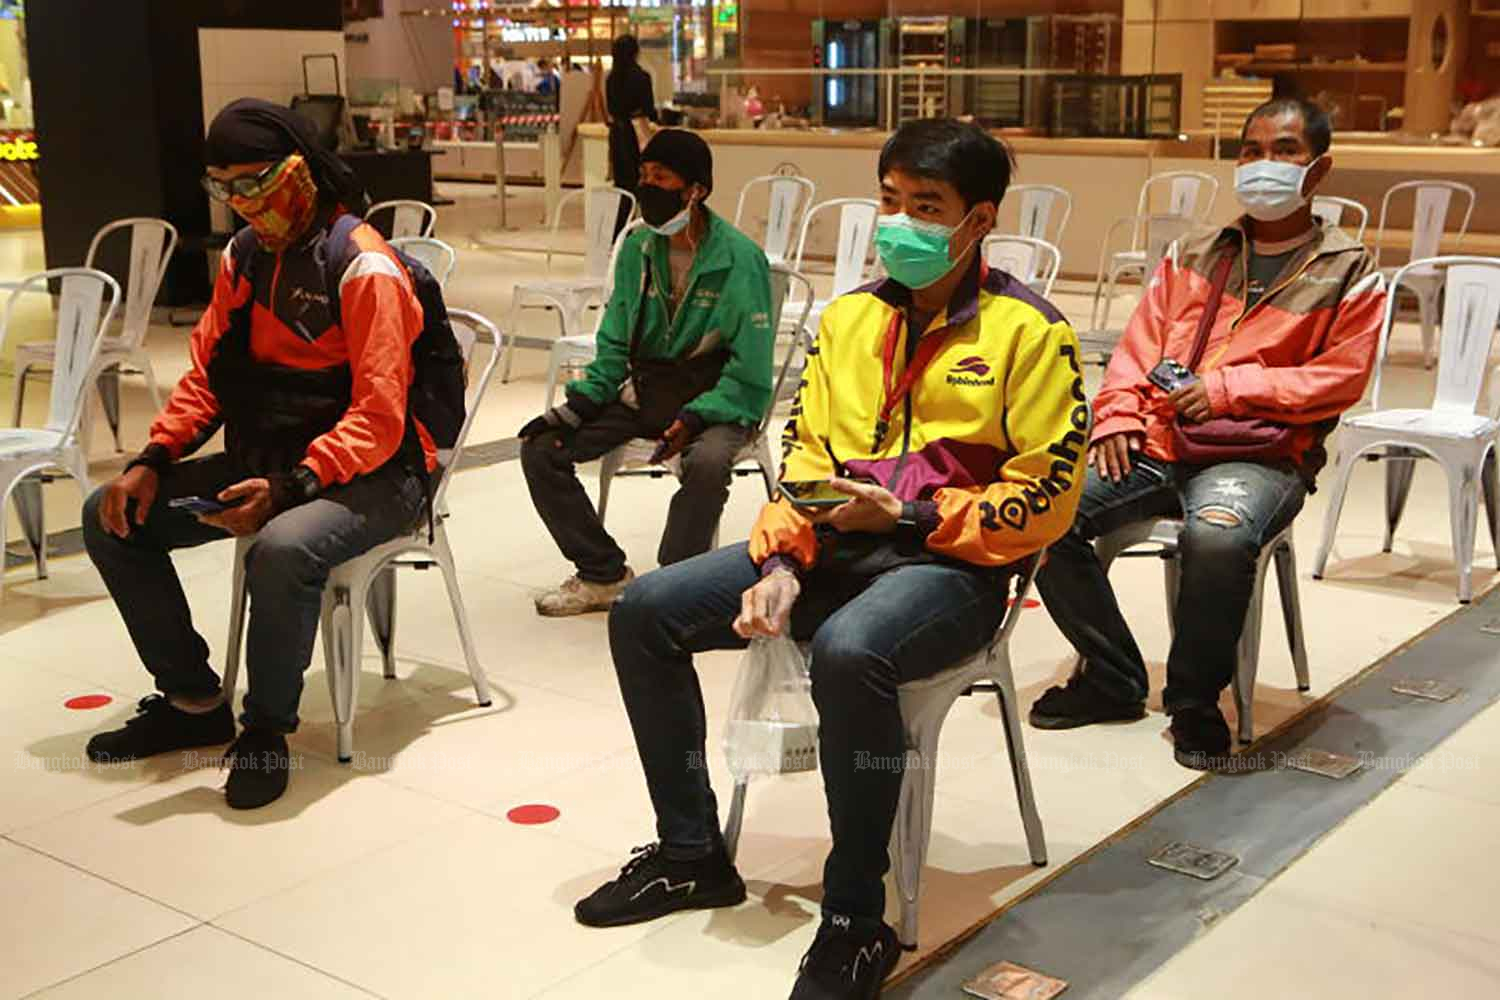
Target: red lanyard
{"points": [[896, 391]]}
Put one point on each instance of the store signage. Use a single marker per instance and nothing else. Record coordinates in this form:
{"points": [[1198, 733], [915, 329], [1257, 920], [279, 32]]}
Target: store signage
{"points": [[18, 147], [530, 33]]}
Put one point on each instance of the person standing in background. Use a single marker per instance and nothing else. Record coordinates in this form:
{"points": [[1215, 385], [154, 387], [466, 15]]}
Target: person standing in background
{"points": [[628, 98]]}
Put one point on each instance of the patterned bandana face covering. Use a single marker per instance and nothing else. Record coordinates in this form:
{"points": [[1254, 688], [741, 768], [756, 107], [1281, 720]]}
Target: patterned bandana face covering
{"points": [[286, 205]]}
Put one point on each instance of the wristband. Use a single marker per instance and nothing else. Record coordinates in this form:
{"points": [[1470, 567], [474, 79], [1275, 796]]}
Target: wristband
{"points": [[154, 457]]}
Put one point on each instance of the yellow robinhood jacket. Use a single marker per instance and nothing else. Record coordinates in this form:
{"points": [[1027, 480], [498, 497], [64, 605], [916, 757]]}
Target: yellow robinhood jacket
{"points": [[987, 449]]}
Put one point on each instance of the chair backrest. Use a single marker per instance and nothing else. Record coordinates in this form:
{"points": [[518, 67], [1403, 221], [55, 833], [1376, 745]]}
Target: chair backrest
{"points": [[1433, 200], [1044, 210], [1332, 211], [1032, 261], [783, 280], [1156, 235], [856, 245], [152, 242], [1189, 193], [469, 328], [601, 211], [437, 256], [789, 198], [85, 306], [408, 217], [1471, 307], [614, 256]]}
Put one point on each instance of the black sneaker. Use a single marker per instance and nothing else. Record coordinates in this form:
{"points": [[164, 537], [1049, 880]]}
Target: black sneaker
{"points": [[1079, 703], [158, 728], [1200, 738], [259, 768], [846, 961], [652, 885]]}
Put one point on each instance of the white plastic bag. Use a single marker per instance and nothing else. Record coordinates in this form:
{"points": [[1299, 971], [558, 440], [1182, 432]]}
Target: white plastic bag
{"points": [[773, 725]]}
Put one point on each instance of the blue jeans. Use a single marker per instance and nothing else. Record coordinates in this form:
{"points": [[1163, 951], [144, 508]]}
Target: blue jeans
{"points": [[285, 571], [1230, 511], [869, 634]]}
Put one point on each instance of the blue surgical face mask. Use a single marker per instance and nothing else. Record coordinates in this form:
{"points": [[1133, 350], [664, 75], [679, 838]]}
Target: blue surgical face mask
{"points": [[914, 252], [1270, 190]]}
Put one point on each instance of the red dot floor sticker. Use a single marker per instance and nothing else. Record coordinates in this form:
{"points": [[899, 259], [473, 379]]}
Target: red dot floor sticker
{"points": [[532, 814], [84, 701]]}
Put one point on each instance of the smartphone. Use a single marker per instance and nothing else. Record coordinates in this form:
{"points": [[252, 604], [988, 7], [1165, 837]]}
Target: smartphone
{"points": [[1169, 376], [813, 493], [200, 505]]}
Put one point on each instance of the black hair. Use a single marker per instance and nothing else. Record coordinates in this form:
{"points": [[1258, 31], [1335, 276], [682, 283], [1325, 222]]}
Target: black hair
{"points": [[1316, 128], [945, 149], [624, 51]]}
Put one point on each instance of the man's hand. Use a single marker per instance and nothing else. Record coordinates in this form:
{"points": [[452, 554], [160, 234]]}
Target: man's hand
{"points": [[1110, 456], [1192, 402], [766, 608], [874, 509], [250, 514], [673, 440], [139, 484]]}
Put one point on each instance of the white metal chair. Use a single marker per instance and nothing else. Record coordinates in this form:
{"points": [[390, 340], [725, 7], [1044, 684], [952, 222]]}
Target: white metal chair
{"points": [[29, 455], [1044, 210], [924, 708], [572, 296], [367, 584], [1034, 262], [152, 242], [408, 217], [1185, 192], [437, 256], [789, 197], [1162, 537], [855, 250], [1161, 234], [1450, 431], [757, 457], [1332, 210], [1432, 202], [579, 349]]}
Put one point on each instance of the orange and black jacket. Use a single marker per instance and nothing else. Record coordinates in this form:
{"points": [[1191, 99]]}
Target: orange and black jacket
{"points": [[1300, 356], [293, 328], [986, 451]]}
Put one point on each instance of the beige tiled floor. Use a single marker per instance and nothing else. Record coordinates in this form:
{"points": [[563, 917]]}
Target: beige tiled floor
{"points": [[400, 874]]}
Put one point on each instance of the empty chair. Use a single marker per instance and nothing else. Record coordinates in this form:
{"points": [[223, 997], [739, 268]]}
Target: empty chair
{"points": [[1034, 262], [1161, 539], [1450, 431], [367, 584], [84, 308], [579, 349], [152, 242], [924, 708], [1189, 195], [852, 255], [407, 218], [788, 200], [437, 256], [1433, 204], [572, 296], [1160, 233], [1332, 211], [1043, 210]]}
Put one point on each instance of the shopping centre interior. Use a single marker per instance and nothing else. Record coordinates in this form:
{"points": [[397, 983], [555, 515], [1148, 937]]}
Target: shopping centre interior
{"points": [[436, 847]]}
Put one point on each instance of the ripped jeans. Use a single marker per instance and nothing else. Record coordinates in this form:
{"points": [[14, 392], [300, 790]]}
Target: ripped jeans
{"points": [[1230, 511]]}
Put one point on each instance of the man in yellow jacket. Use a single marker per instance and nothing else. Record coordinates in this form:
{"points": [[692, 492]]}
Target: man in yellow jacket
{"points": [[945, 405]]}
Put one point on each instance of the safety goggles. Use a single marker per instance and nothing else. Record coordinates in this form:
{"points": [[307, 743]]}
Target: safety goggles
{"points": [[251, 186]]}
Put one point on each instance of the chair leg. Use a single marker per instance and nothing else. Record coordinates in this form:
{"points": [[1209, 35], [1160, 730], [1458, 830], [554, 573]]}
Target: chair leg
{"points": [[109, 396], [380, 605], [1109, 299], [142, 360], [18, 397], [736, 818], [910, 832], [554, 371], [1463, 514], [609, 466], [1400, 465], [1344, 465], [461, 619], [1031, 818], [509, 345], [1248, 660], [1291, 611], [1487, 479], [31, 512], [342, 632], [237, 595]]}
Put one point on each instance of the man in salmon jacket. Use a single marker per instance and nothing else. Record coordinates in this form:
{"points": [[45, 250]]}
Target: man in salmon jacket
{"points": [[1249, 343], [944, 406]]}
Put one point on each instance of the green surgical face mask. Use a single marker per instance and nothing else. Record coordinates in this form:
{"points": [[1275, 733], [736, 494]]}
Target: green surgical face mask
{"points": [[914, 252]]}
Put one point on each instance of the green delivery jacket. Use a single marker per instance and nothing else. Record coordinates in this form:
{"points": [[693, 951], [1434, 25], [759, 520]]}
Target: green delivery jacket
{"points": [[729, 294]]}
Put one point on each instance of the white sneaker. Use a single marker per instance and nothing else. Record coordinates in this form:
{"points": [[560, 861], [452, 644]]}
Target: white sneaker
{"points": [[579, 597]]}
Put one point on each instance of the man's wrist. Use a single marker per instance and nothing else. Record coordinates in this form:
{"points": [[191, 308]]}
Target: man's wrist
{"points": [[780, 563], [154, 456]]}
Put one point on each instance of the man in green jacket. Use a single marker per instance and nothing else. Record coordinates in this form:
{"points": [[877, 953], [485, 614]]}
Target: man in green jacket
{"points": [[684, 358]]}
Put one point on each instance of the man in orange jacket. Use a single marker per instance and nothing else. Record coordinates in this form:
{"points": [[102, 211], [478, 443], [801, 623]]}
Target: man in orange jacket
{"points": [[1291, 346]]}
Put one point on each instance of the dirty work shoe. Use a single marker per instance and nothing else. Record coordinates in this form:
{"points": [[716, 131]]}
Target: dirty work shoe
{"points": [[848, 960], [1200, 739], [652, 885], [1079, 703], [259, 767], [159, 728], [577, 596]]}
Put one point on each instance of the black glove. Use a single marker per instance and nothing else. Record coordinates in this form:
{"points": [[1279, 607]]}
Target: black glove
{"points": [[570, 415]]}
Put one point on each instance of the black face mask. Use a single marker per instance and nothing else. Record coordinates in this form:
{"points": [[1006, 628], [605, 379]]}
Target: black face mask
{"points": [[659, 205]]}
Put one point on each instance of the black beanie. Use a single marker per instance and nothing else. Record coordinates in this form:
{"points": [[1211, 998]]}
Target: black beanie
{"points": [[684, 153]]}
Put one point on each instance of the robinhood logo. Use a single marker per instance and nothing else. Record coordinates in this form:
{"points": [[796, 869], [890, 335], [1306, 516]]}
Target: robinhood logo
{"points": [[971, 371]]}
